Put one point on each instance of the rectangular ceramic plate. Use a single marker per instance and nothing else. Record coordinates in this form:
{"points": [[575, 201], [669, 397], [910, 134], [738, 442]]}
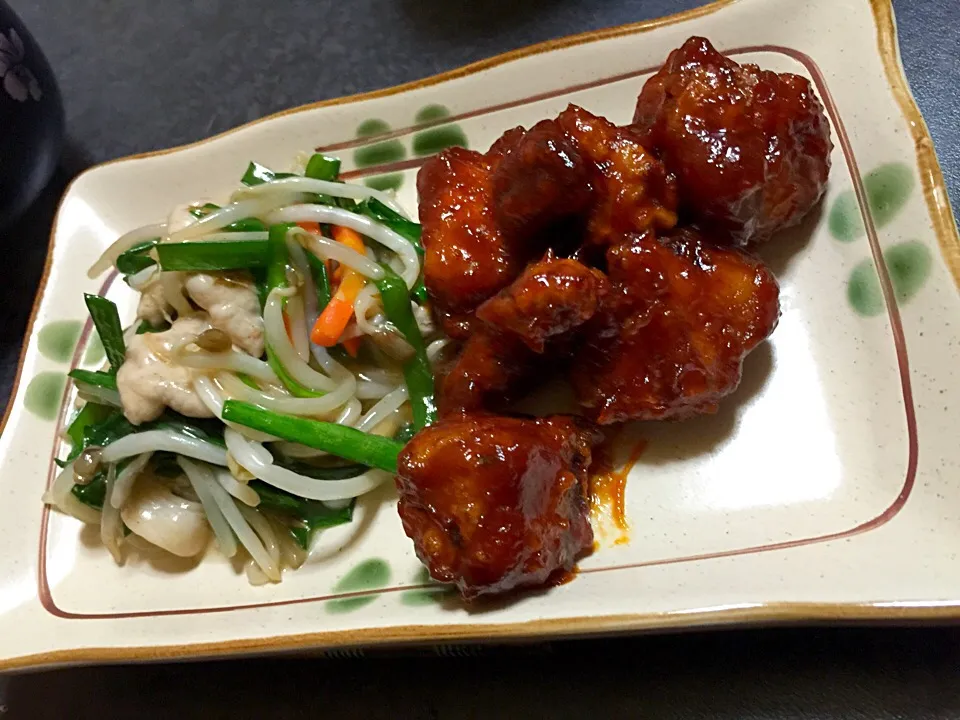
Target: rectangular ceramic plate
{"points": [[827, 488]]}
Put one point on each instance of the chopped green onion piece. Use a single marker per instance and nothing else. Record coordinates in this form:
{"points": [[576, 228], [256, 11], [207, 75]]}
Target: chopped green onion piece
{"points": [[136, 259], [295, 388], [247, 225], [277, 256], [260, 281], [226, 255], [302, 535], [301, 517], [257, 174], [95, 378], [321, 472], [405, 434], [203, 210], [321, 167], [90, 414], [321, 279], [278, 500], [248, 381], [417, 372], [340, 440], [407, 229], [104, 426], [241, 225], [207, 430], [146, 327], [107, 321], [419, 292], [94, 492]]}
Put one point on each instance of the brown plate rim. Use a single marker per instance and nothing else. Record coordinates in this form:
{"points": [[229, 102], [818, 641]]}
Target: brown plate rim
{"points": [[941, 213]]}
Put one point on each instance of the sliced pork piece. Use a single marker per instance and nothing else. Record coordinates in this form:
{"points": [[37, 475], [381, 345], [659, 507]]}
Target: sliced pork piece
{"points": [[149, 382], [234, 307]]}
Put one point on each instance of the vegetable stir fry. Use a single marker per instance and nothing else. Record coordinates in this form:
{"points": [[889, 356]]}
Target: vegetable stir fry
{"points": [[280, 358]]}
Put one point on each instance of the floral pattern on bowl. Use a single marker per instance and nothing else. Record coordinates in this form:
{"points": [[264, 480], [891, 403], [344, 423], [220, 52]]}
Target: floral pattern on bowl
{"points": [[19, 81]]}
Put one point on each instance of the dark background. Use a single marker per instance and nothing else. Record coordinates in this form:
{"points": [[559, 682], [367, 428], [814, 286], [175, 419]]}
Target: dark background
{"points": [[138, 76]]}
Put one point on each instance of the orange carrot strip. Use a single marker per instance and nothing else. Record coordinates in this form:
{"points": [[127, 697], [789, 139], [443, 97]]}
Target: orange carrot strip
{"points": [[310, 227], [352, 345], [350, 238], [334, 318]]}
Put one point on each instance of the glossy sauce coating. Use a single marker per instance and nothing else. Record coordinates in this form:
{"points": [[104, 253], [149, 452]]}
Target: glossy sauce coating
{"points": [[549, 300], [496, 503], [467, 258], [648, 321], [543, 179], [672, 337], [750, 147], [608, 491], [487, 374], [635, 191], [484, 216]]}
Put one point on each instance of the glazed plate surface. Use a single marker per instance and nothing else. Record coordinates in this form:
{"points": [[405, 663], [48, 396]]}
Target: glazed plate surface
{"points": [[826, 489]]}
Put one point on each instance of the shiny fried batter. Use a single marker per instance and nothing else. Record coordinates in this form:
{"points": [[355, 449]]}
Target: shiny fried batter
{"points": [[750, 147], [484, 216], [549, 300], [487, 374], [542, 180], [467, 258], [672, 337], [496, 503], [635, 192]]}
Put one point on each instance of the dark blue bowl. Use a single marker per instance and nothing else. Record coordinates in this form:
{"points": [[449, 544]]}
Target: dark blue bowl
{"points": [[31, 118]]}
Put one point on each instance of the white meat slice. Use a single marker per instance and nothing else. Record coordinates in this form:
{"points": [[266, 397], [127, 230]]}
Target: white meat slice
{"points": [[148, 381], [177, 525], [233, 305], [153, 305]]}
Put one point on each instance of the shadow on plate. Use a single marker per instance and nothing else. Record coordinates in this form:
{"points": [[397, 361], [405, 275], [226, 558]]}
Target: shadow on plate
{"points": [[137, 552], [671, 442], [787, 245], [449, 600], [371, 504]]}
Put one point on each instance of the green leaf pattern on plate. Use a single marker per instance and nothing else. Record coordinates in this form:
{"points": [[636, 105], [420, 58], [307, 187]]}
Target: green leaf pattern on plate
{"points": [[44, 393], [908, 264], [387, 151], [371, 574], [888, 187]]}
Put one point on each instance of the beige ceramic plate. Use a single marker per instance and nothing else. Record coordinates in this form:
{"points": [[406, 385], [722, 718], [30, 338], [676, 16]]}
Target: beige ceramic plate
{"points": [[827, 488]]}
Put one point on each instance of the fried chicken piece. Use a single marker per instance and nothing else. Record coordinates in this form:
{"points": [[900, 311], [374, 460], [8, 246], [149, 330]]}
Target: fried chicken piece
{"points": [[487, 375], [543, 308], [634, 191], [549, 300], [467, 257], [485, 216], [750, 147], [495, 503], [672, 337], [543, 180]]}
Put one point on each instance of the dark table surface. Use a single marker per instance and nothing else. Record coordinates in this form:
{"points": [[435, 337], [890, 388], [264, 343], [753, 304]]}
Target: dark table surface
{"points": [[138, 76]]}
